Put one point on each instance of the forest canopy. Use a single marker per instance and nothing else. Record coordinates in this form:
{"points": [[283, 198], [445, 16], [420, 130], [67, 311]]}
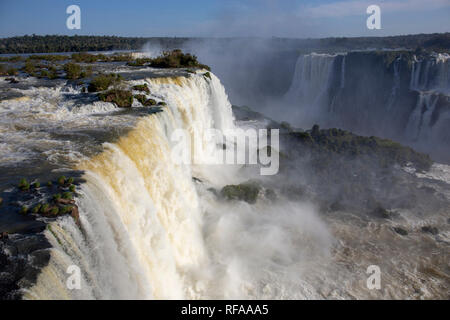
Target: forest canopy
{"points": [[439, 42]]}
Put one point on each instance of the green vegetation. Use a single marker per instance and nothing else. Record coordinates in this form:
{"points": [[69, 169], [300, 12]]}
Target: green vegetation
{"points": [[37, 208], [70, 180], [385, 151], [54, 43], [11, 59], [23, 210], [144, 101], [65, 209], [44, 208], [53, 72], [36, 185], [142, 87], [73, 70], [122, 98], [72, 188], [24, 185], [29, 67], [139, 62], [67, 195], [48, 57], [57, 196], [61, 180], [86, 57], [247, 192], [207, 75], [177, 59], [103, 81], [54, 211], [12, 72], [44, 74]]}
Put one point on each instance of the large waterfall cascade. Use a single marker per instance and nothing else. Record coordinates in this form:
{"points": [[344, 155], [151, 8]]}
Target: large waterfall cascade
{"points": [[150, 232]]}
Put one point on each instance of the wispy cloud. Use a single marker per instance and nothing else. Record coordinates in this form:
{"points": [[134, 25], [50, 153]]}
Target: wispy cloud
{"points": [[354, 8]]}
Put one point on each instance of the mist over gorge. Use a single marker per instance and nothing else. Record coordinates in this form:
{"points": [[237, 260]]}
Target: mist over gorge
{"points": [[396, 93]]}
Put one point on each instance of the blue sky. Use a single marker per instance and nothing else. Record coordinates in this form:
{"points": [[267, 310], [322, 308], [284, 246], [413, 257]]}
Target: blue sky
{"points": [[221, 18]]}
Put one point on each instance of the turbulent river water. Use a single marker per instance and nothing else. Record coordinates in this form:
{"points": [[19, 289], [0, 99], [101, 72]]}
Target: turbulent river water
{"points": [[151, 231]]}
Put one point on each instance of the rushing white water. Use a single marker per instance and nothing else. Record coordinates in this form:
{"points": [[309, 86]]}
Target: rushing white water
{"points": [[431, 74], [310, 84], [148, 231]]}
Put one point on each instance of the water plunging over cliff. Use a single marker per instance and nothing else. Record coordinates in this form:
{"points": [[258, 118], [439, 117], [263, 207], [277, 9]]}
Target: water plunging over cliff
{"points": [[406, 99], [150, 231]]}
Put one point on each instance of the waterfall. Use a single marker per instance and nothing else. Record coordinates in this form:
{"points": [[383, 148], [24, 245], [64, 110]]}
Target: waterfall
{"points": [[399, 102], [148, 231], [139, 210], [343, 73], [431, 74], [396, 86], [310, 84]]}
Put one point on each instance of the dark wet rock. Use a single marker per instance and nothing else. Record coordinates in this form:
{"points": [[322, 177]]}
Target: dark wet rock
{"points": [[40, 258], [21, 258], [336, 206], [64, 201], [400, 231], [75, 215], [28, 245], [270, 195], [11, 80], [430, 229], [380, 212]]}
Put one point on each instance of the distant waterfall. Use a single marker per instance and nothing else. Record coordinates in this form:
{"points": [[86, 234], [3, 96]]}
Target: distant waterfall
{"points": [[311, 83], [432, 74], [406, 99]]}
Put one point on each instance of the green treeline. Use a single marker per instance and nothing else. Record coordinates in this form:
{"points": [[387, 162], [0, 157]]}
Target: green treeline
{"points": [[439, 42]]}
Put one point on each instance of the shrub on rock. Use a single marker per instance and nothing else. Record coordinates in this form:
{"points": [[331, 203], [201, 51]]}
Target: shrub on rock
{"points": [[73, 70], [103, 82], [141, 87], [121, 98], [247, 192]]}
